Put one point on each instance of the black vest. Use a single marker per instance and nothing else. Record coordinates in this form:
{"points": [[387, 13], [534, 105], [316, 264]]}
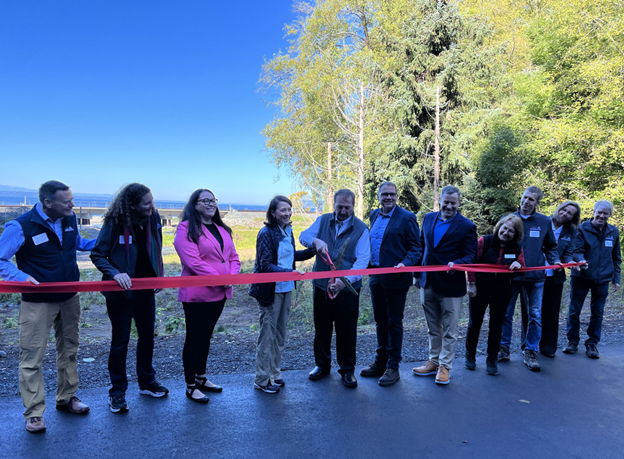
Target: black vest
{"points": [[43, 257], [491, 252]]}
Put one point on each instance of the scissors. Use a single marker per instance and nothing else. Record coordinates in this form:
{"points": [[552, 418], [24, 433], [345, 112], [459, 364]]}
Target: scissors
{"points": [[326, 258]]}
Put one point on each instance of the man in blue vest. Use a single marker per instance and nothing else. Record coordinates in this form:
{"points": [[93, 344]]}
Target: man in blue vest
{"points": [[44, 242], [395, 241], [344, 238], [447, 238]]}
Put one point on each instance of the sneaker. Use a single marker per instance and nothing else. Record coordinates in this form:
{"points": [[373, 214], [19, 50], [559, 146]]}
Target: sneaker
{"points": [[530, 360], [571, 347], [279, 382], [269, 388], [592, 351], [443, 377], [389, 377], [155, 390], [471, 362], [117, 403], [491, 367], [35, 424], [427, 369], [503, 354]]}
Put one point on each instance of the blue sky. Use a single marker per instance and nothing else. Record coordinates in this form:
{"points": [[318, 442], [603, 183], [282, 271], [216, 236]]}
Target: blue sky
{"points": [[100, 93]]}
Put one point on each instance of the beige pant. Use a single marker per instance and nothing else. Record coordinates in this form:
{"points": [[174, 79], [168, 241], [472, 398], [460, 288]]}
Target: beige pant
{"points": [[35, 321], [272, 339], [442, 314]]}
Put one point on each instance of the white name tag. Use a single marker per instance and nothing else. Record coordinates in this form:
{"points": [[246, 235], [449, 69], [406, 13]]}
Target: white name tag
{"points": [[608, 243], [40, 238], [122, 240], [69, 228], [534, 233], [509, 255]]}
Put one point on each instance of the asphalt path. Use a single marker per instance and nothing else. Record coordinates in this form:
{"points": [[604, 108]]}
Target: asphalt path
{"points": [[573, 408]]}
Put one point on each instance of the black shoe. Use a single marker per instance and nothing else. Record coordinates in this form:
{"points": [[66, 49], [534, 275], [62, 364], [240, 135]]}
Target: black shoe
{"points": [[117, 404], [348, 379], [530, 360], [154, 390], [189, 394], [269, 388], [571, 347], [471, 362], [546, 353], [389, 377], [373, 370], [592, 351], [202, 384], [279, 383], [317, 373], [491, 367], [503, 354]]}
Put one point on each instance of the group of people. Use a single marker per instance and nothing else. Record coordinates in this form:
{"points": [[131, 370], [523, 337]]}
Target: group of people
{"points": [[44, 242]]}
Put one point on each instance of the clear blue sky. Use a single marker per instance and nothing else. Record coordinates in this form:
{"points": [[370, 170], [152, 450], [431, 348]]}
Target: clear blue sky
{"points": [[99, 93]]}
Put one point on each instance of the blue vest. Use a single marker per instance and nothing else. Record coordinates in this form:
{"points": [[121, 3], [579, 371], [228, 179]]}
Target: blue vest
{"points": [[43, 257], [327, 234]]}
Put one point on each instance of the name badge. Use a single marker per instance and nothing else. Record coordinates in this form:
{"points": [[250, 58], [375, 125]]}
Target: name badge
{"points": [[534, 233], [510, 256], [608, 243], [123, 241], [69, 228], [40, 238]]}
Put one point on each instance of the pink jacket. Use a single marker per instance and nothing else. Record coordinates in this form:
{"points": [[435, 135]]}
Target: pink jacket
{"points": [[205, 258]]}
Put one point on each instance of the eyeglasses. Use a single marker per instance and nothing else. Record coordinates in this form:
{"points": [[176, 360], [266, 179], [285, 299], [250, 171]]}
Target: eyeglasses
{"points": [[209, 202]]}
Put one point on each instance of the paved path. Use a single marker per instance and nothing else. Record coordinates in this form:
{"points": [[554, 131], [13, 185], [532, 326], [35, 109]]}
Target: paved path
{"points": [[575, 410]]}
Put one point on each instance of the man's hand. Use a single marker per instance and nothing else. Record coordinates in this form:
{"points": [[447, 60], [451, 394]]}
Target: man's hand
{"points": [[585, 265], [123, 280], [450, 265], [515, 265], [320, 246], [417, 282], [560, 266], [472, 289], [616, 287], [400, 265], [32, 280], [337, 286]]}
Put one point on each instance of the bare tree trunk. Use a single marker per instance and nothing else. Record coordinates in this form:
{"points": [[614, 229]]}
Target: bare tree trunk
{"points": [[330, 188], [360, 190], [436, 171]]}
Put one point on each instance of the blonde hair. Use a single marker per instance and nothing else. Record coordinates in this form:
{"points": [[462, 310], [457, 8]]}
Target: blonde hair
{"points": [[517, 224]]}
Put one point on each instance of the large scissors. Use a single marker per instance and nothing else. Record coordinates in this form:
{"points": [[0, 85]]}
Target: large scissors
{"points": [[326, 258]]}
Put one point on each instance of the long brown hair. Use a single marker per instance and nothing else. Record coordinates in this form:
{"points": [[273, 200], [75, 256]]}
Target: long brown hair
{"points": [[120, 208]]}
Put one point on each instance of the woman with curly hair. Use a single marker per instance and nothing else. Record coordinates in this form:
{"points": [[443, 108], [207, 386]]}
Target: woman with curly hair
{"points": [[205, 247], [129, 246]]}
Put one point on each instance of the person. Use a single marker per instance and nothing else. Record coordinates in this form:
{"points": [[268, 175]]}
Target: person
{"points": [[503, 247], [129, 246], [538, 242], [342, 238], [447, 238], [44, 242], [395, 241], [601, 248], [565, 221], [205, 247], [275, 253]]}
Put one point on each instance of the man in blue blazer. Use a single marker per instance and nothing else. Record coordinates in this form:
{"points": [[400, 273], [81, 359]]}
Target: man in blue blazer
{"points": [[395, 241], [448, 238]]}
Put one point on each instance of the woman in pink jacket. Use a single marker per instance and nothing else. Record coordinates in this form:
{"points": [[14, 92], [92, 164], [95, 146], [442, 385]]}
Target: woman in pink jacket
{"points": [[204, 245]]}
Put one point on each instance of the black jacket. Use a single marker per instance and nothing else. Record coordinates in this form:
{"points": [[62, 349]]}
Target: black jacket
{"points": [[602, 252], [267, 244], [569, 249]]}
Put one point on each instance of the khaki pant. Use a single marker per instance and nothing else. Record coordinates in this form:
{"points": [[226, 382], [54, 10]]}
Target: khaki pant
{"points": [[442, 314], [272, 339], [35, 321]]}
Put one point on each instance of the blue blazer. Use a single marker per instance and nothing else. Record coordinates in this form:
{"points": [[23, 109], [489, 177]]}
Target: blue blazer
{"points": [[459, 245], [400, 244]]}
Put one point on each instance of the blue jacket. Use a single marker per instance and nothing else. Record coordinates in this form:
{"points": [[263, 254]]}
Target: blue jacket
{"points": [[569, 250], [539, 244], [458, 245], [400, 244], [602, 252]]}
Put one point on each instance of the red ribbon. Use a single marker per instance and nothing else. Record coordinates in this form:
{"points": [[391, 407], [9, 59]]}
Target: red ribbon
{"points": [[149, 283]]}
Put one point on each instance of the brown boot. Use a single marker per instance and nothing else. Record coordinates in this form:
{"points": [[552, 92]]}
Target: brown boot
{"points": [[35, 425], [443, 377], [74, 406], [427, 369]]}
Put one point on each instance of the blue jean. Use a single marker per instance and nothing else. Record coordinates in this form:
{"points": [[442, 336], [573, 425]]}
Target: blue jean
{"points": [[580, 289], [531, 306]]}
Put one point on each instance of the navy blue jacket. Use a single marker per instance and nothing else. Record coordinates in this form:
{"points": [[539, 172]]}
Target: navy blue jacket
{"points": [[44, 257], [602, 252], [400, 244], [458, 245], [569, 250], [539, 244]]}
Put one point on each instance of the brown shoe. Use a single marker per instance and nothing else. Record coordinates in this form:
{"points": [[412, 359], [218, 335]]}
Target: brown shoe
{"points": [[427, 369], [74, 406], [443, 377], [35, 425]]}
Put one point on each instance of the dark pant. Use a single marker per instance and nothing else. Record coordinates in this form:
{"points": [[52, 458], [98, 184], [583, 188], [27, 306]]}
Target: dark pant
{"points": [[388, 307], [580, 289], [551, 305], [201, 319], [343, 311], [494, 292], [141, 307]]}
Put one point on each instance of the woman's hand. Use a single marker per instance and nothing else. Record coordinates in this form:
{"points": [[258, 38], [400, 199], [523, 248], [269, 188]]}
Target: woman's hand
{"points": [[298, 271], [472, 289], [124, 281], [515, 265]]}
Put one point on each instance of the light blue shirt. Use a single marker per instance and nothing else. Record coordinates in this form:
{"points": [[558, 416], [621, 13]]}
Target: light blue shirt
{"points": [[285, 259], [12, 240], [377, 234], [362, 250]]}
